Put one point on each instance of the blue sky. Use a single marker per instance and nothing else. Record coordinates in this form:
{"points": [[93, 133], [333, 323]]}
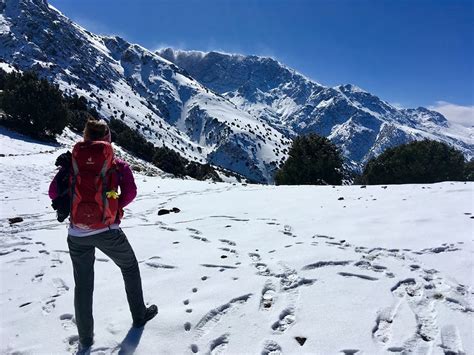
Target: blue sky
{"points": [[408, 52]]}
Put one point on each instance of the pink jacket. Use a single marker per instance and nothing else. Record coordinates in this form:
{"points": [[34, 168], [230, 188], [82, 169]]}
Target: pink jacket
{"points": [[128, 189]]}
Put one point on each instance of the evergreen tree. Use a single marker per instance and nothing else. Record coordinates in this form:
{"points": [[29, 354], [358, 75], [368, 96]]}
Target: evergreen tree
{"points": [[313, 160], [424, 161], [469, 170], [33, 106]]}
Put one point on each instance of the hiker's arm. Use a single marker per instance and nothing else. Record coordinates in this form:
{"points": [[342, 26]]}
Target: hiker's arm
{"points": [[128, 189]]}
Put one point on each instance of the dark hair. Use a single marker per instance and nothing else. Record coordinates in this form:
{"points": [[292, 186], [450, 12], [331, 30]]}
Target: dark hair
{"points": [[95, 130]]}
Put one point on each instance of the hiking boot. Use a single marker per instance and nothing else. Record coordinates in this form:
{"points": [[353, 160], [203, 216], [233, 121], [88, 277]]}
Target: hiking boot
{"points": [[85, 343], [150, 313]]}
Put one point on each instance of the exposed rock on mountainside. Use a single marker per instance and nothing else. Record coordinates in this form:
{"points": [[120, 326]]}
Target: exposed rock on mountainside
{"points": [[147, 92], [361, 124]]}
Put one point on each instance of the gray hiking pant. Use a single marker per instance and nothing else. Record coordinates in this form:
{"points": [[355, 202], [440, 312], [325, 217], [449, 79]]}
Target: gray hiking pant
{"points": [[115, 245]]}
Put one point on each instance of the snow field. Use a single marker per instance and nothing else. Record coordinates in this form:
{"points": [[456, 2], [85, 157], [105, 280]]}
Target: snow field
{"points": [[246, 269]]}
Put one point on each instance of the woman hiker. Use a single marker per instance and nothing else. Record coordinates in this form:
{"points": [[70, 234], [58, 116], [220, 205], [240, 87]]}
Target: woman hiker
{"points": [[92, 177]]}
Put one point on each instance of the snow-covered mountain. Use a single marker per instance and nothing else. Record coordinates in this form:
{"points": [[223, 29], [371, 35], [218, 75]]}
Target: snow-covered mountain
{"points": [[360, 123], [237, 112], [127, 81]]}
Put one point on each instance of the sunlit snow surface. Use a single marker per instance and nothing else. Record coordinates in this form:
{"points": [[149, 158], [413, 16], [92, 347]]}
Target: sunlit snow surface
{"points": [[246, 269]]}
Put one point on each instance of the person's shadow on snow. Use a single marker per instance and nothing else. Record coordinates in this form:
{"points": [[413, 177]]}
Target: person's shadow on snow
{"points": [[130, 342], [128, 345]]}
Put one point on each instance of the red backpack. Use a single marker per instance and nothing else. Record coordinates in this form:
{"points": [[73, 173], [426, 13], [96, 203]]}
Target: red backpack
{"points": [[94, 185]]}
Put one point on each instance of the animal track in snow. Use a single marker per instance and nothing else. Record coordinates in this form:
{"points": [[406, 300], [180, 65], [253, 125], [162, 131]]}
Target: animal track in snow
{"points": [[195, 231], [159, 265], [228, 242], [219, 266], [38, 277], [232, 251], [287, 230], [170, 229], [360, 276], [320, 264], [194, 348], [187, 326], [202, 239], [323, 236]]}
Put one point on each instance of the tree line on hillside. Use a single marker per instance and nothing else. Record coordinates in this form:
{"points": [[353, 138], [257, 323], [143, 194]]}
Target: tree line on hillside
{"points": [[37, 108], [315, 160]]}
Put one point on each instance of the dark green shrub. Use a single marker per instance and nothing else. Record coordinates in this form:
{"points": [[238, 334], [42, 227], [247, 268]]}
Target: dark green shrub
{"points": [[201, 171], [169, 161], [424, 161], [313, 160]]}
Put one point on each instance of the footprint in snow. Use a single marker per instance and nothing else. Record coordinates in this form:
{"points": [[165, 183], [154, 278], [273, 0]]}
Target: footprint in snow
{"points": [[254, 257], [67, 321], [286, 319], [271, 347], [218, 345], [268, 295]]}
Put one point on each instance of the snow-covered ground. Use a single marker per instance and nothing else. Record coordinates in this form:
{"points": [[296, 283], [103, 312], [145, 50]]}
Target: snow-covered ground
{"points": [[246, 269]]}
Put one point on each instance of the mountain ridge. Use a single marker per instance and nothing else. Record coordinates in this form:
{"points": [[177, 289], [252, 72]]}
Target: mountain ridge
{"points": [[359, 122], [224, 112], [126, 81]]}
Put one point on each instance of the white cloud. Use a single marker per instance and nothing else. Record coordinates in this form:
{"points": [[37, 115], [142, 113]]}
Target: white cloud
{"points": [[463, 115]]}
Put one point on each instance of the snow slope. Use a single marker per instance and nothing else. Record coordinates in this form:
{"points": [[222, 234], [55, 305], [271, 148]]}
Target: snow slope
{"points": [[244, 269]]}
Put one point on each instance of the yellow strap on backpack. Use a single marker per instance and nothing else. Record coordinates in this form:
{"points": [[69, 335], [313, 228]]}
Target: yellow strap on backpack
{"points": [[112, 194]]}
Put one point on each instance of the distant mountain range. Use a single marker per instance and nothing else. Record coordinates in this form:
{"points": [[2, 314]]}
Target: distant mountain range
{"points": [[234, 111]]}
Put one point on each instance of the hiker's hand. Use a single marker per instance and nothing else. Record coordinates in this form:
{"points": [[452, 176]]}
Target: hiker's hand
{"points": [[64, 160]]}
